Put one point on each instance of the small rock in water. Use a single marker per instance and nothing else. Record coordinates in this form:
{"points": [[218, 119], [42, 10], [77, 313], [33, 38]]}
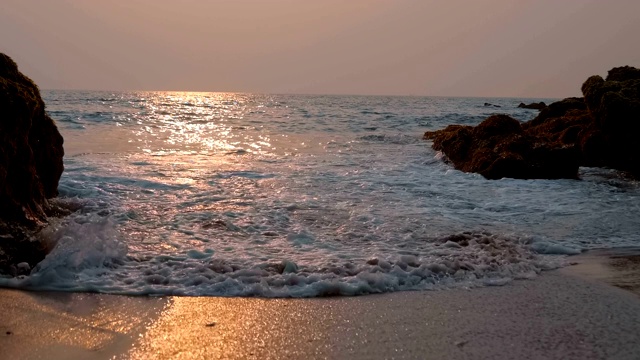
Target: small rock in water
{"points": [[535, 106]]}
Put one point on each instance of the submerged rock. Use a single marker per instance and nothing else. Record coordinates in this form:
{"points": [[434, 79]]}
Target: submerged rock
{"points": [[535, 106], [597, 130], [30, 164]]}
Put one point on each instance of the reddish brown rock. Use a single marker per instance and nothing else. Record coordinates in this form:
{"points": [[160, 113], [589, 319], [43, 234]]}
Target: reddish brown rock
{"points": [[597, 130], [499, 147]]}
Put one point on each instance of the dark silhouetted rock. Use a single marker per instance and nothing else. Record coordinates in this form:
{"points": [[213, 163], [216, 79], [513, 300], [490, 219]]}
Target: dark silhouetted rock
{"points": [[30, 161], [614, 104], [597, 130], [535, 106], [18, 245], [491, 105], [623, 73]]}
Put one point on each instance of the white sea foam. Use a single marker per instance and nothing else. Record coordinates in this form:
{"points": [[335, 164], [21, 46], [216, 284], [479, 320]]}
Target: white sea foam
{"points": [[238, 194], [89, 255], [549, 248], [84, 247]]}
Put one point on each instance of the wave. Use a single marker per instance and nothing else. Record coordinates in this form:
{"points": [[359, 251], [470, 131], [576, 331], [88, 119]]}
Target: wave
{"points": [[90, 255]]}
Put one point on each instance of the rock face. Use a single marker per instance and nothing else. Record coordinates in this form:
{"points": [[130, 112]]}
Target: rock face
{"points": [[597, 130], [30, 158]]}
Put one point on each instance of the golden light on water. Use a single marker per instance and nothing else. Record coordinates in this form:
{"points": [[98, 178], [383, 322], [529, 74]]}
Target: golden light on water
{"points": [[201, 123], [186, 123]]}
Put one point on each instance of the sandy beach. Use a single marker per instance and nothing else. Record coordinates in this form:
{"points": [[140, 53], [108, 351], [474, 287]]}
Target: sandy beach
{"points": [[572, 313], [319, 180]]}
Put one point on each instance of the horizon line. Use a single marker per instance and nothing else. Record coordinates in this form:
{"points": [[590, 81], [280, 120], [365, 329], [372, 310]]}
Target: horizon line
{"points": [[312, 94]]}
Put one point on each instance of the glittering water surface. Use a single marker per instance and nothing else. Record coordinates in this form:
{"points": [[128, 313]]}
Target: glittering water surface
{"points": [[280, 195]]}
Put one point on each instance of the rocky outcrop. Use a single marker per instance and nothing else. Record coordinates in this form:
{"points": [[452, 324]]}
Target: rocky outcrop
{"points": [[499, 147], [597, 130], [560, 121], [614, 104], [30, 162], [535, 106]]}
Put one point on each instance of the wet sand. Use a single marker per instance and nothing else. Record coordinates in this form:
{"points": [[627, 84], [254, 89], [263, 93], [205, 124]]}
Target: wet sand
{"points": [[619, 267], [573, 313]]}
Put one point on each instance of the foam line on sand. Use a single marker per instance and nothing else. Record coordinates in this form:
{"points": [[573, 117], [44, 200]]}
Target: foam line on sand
{"points": [[559, 315]]}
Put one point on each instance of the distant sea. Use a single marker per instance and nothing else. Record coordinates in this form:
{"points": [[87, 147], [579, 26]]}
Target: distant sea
{"points": [[220, 194]]}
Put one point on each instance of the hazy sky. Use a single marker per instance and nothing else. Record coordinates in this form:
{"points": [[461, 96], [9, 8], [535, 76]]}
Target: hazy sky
{"points": [[519, 48]]}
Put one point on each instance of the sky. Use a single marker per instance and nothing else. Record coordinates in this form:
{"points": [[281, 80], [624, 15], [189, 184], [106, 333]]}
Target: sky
{"points": [[489, 48]]}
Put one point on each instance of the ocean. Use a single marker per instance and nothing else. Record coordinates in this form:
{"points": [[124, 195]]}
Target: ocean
{"points": [[227, 194]]}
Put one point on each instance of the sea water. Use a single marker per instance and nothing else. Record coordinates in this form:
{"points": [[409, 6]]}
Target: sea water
{"points": [[224, 194]]}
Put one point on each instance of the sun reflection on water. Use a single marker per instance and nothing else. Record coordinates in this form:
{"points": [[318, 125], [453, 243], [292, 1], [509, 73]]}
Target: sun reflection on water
{"points": [[200, 123], [188, 161]]}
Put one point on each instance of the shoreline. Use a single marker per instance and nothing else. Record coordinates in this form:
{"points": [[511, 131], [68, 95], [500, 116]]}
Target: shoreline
{"points": [[577, 312], [616, 267]]}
